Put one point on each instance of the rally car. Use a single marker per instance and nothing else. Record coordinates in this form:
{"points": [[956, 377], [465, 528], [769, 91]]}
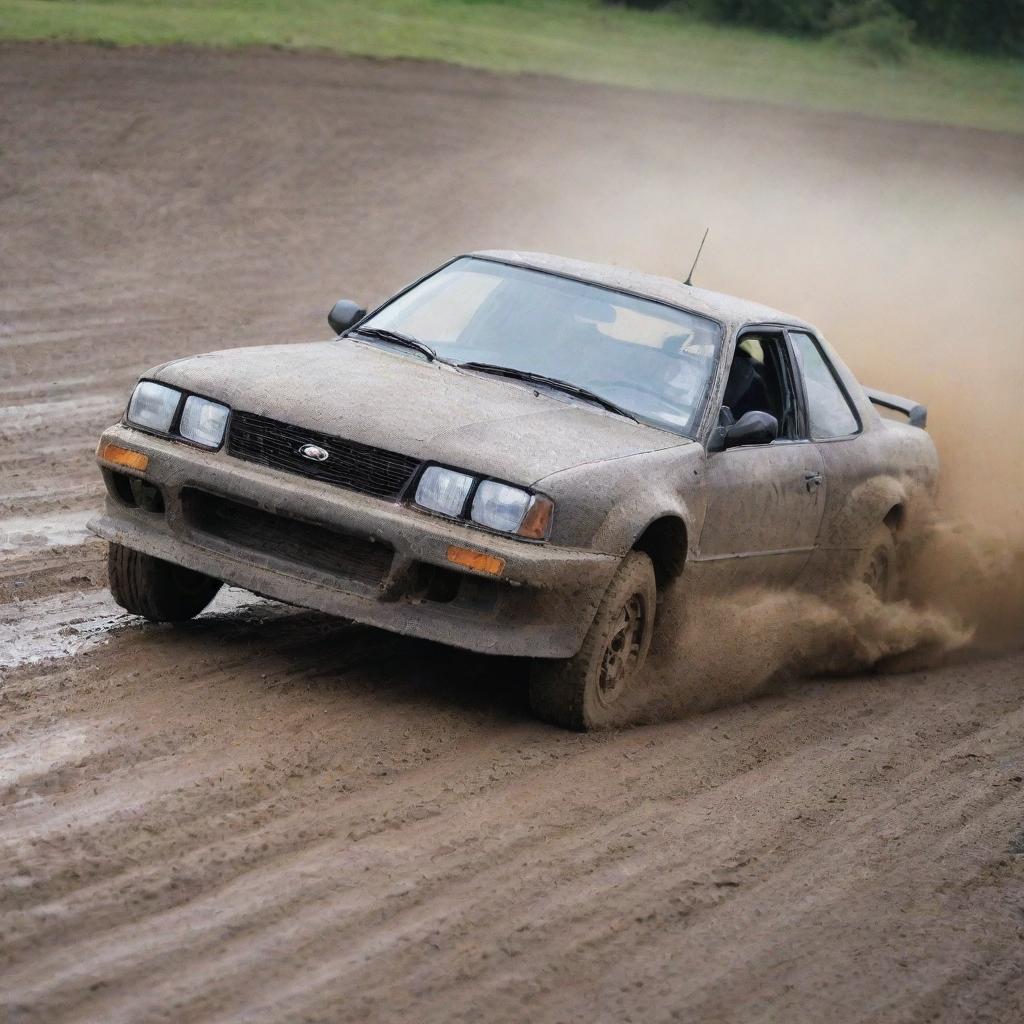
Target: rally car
{"points": [[516, 454]]}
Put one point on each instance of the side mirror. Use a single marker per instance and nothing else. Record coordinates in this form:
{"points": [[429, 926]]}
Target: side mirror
{"points": [[344, 315], [751, 428]]}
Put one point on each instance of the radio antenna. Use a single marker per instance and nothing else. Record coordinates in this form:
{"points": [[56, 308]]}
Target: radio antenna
{"points": [[689, 277]]}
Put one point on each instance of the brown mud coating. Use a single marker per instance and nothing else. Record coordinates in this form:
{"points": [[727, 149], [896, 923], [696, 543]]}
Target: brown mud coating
{"points": [[274, 815]]}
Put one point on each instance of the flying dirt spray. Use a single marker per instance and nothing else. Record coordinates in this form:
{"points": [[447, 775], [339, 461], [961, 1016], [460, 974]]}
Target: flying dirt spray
{"points": [[852, 231], [964, 598]]}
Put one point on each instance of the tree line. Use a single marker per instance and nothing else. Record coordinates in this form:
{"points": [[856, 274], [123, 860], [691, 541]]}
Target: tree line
{"points": [[985, 26]]}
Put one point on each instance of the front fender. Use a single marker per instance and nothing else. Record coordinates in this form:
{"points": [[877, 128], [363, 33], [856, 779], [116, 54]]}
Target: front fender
{"points": [[607, 506]]}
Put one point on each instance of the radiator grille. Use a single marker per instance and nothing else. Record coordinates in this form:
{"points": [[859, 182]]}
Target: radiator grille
{"points": [[358, 467], [321, 549]]}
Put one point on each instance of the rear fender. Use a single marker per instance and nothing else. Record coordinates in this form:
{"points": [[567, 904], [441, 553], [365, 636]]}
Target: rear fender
{"points": [[869, 504]]}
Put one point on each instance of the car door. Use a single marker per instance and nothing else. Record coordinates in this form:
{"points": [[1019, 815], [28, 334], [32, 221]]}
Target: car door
{"points": [[765, 501], [851, 460]]}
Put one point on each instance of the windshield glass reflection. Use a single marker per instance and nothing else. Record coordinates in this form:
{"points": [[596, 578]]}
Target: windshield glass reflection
{"points": [[648, 358]]}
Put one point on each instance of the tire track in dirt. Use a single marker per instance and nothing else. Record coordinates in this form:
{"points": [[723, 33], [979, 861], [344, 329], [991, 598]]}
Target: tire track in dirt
{"points": [[514, 844]]}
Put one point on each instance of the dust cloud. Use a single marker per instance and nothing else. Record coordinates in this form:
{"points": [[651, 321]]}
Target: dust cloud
{"points": [[904, 245], [963, 598], [727, 649]]}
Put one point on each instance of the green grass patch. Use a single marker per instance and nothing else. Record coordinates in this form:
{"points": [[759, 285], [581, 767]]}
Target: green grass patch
{"points": [[581, 39]]}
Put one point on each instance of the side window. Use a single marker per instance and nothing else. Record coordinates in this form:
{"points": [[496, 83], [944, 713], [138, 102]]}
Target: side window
{"points": [[828, 412], [761, 380]]}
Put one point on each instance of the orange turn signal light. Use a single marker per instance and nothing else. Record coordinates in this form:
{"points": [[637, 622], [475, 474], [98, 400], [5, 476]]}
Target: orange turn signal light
{"points": [[118, 456], [478, 560], [536, 523]]}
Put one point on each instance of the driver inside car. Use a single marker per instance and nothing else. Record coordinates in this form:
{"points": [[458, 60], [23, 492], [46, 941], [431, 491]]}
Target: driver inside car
{"points": [[745, 390]]}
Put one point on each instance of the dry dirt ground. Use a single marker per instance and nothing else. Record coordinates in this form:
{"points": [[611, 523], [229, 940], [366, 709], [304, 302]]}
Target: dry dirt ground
{"points": [[268, 815]]}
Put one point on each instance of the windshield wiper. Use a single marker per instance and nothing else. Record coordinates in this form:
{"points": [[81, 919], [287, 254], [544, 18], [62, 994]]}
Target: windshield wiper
{"points": [[383, 334], [554, 382]]}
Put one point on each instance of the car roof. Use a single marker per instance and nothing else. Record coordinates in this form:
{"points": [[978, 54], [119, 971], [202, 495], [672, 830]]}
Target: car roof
{"points": [[727, 309]]}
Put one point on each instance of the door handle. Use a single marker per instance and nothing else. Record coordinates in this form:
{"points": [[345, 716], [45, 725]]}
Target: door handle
{"points": [[813, 481]]}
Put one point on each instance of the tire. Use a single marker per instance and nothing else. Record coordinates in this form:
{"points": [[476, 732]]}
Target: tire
{"points": [[877, 566], [157, 590], [585, 692]]}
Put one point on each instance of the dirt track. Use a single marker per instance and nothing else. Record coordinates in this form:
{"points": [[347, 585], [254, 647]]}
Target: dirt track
{"points": [[269, 815]]}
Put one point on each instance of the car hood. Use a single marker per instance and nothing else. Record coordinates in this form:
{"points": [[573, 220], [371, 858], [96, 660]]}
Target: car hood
{"points": [[431, 411]]}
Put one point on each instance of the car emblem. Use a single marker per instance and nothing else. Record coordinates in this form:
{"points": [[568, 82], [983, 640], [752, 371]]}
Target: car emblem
{"points": [[314, 452]]}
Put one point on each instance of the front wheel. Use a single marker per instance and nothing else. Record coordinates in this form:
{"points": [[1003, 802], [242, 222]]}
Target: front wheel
{"points": [[586, 691], [155, 589]]}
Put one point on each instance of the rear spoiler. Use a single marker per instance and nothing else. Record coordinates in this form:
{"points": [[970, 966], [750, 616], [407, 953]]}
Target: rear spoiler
{"points": [[916, 413]]}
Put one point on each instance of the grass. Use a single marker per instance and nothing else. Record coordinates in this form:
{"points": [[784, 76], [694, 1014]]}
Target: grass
{"points": [[582, 39]]}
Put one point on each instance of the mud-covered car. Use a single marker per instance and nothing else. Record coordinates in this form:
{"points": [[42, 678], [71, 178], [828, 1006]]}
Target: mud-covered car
{"points": [[516, 454]]}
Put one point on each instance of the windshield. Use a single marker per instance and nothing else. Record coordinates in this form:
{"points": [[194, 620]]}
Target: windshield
{"points": [[650, 359]]}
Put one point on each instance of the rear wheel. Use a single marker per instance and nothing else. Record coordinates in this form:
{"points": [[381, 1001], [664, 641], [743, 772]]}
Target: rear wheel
{"points": [[586, 691], [155, 589], [877, 566]]}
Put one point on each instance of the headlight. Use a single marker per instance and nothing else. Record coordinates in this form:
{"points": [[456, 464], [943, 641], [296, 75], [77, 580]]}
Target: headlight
{"points": [[499, 506], [512, 510], [153, 406], [443, 490], [203, 421]]}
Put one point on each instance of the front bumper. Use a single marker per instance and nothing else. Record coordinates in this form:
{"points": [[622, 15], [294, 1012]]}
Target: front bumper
{"points": [[542, 604]]}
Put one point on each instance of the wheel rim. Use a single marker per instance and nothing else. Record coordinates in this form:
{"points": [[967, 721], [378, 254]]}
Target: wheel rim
{"points": [[622, 652], [876, 575]]}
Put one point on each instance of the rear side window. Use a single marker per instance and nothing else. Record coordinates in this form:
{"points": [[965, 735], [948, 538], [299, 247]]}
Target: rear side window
{"points": [[828, 412]]}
